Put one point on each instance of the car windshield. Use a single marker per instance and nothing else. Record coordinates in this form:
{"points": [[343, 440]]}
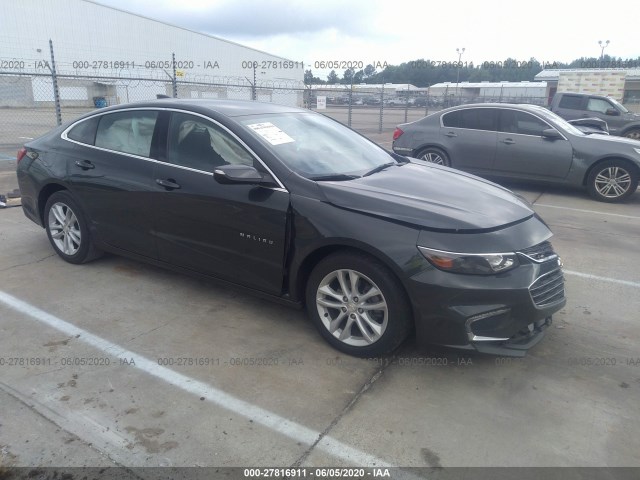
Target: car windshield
{"points": [[559, 121], [621, 107], [315, 146]]}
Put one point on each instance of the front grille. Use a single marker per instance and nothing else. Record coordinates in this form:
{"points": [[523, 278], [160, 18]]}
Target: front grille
{"points": [[548, 288], [540, 252]]}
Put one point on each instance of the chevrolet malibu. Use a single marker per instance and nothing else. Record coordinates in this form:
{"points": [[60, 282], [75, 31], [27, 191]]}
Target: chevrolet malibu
{"points": [[293, 206]]}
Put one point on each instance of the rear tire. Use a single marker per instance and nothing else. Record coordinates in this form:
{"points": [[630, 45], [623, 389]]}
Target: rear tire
{"points": [[612, 181], [68, 230], [358, 305], [434, 155], [633, 134]]}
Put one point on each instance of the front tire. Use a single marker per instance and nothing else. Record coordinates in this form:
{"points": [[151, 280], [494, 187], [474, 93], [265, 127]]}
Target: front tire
{"points": [[68, 230], [358, 305], [612, 181], [434, 155]]}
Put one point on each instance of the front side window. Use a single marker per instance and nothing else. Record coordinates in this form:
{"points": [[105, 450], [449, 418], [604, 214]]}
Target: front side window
{"points": [[513, 121], [127, 132], [472, 118], [197, 143], [598, 105]]}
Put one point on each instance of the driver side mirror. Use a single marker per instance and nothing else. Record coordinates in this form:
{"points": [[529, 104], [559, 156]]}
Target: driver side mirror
{"points": [[241, 174], [551, 134], [612, 111]]}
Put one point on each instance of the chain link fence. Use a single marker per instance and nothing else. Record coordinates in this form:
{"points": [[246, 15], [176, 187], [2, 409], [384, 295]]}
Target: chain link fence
{"points": [[31, 103]]}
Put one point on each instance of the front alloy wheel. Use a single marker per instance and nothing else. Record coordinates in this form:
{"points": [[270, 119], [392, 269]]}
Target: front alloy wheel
{"points": [[612, 181], [352, 307], [357, 304]]}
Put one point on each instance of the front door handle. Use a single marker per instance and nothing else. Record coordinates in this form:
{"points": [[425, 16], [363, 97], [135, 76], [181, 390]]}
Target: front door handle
{"points": [[450, 134], [85, 164], [508, 141], [169, 183]]}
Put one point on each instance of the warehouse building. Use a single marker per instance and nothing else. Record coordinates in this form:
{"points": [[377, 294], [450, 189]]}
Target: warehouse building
{"points": [[467, 92], [623, 84], [110, 54]]}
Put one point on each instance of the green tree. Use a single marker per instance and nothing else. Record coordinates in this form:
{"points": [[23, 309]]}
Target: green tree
{"points": [[333, 77], [347, 76]]}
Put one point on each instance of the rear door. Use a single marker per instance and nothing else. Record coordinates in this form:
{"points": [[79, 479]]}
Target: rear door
{"points": [[523, 152], [571, 107], [469, 135], [111, 171], [234, 232]]}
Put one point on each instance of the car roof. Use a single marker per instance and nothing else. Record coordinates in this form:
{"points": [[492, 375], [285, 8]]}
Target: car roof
{"points": [[522, 106], [229, 108]]}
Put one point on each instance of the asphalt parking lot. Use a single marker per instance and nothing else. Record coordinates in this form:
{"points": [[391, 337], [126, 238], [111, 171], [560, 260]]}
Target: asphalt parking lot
{"points": [[121, 363]]}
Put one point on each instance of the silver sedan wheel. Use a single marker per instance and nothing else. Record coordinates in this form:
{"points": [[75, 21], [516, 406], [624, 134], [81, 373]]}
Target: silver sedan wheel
{"points": [[613, 182], [433, 157], [352, 307], [64, 229]]}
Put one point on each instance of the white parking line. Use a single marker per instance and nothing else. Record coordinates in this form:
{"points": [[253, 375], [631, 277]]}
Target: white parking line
{"points": [[270, 420], [585, 211], [627, 283]]}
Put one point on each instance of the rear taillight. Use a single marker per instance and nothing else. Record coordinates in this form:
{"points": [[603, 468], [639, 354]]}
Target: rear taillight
{"points": [[21, 153], [397, 134]]}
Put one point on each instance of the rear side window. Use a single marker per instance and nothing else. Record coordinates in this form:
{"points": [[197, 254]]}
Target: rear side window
{"points": [[571, 102], [127, 132], [85, 131], [472, 118]]}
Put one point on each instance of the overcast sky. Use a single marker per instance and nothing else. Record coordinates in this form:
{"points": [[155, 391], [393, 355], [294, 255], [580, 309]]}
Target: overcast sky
{"points": [[397, 30]]}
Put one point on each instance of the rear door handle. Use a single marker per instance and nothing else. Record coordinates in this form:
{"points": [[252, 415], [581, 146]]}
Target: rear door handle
{"points": [[85, 164], [450, 134], [169, 184], [508, 141]]}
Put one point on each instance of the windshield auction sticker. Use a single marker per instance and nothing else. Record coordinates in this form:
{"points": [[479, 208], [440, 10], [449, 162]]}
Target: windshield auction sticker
{"points": [[271, 133]]}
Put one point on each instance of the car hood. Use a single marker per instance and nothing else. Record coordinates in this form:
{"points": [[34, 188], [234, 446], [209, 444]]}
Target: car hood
{"points": [[431, 197]]}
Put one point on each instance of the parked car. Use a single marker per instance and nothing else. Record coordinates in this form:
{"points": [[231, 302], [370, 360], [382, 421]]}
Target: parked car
{"points": [[526, 142], [293, 206], [395, 101], [620, 120]]}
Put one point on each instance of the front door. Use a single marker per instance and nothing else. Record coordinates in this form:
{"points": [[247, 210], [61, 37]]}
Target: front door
{"points": [[233, 232], [523, 152]]}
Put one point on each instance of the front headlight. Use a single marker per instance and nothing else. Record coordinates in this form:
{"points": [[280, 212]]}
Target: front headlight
{"points": [[470, 263]]}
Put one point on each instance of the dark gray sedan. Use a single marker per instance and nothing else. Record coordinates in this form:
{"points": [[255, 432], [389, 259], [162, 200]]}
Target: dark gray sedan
{"points": [[525, 142]]}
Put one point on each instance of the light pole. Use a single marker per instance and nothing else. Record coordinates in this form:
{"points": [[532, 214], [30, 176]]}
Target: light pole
{"points": [[460, 52], [603, 45]]}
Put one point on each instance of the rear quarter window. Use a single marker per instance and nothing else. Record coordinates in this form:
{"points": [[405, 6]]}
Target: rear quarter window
{"points": [[85, 131]]}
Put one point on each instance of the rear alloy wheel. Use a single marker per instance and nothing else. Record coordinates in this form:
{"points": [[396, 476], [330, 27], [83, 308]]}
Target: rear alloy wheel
{"points": [[434, 155], [67, 229], [633, 134], [357, 305], [612, 181]]}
